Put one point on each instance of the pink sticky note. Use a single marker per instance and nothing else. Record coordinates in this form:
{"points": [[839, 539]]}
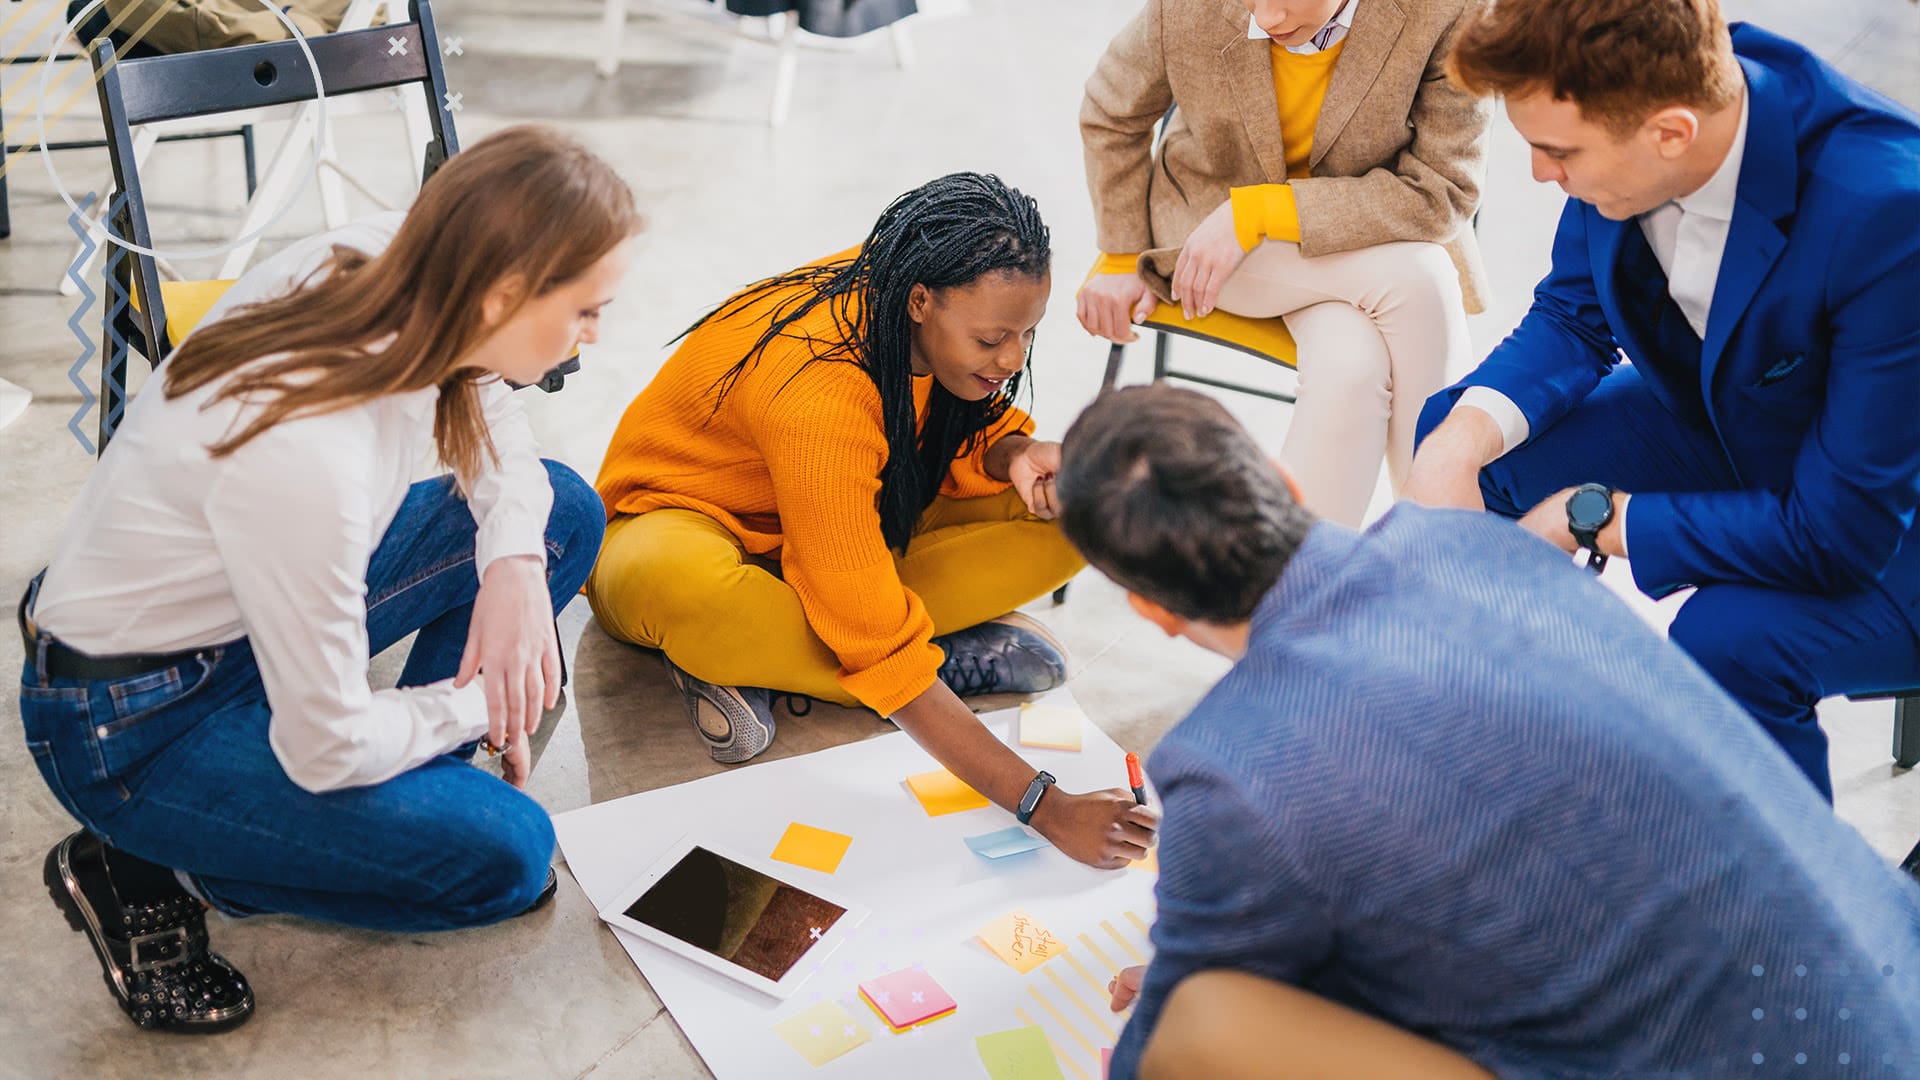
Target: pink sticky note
{"points": [[906, 998], [1106, 1061]]}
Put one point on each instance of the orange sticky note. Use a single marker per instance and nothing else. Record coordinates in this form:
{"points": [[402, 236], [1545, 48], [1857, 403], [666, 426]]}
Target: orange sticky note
{"points": [[941, 792], [815, 849], [1049, 727], [1021, 942], [1151, 864]]}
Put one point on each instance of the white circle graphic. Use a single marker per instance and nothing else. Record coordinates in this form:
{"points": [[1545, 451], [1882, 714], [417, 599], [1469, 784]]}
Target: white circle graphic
{"points": [[101, 231]]}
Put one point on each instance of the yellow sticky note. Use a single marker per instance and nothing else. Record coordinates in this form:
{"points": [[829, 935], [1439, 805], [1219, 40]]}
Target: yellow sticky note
{"points": [[1050, 727], [1151, 864], [941, 792], [1021, 942], [822, 1033], [1020, 1054], [815, 849]]}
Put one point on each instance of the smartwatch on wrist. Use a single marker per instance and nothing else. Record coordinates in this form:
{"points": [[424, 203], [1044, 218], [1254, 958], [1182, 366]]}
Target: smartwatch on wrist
{"points": [[1589, 510], [1031, 799]]}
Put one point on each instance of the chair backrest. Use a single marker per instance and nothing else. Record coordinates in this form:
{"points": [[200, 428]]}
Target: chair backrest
{"points": [[152, 89]]}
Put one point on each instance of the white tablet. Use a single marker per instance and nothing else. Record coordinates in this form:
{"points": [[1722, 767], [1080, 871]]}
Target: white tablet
{"points": [[734, 915]]}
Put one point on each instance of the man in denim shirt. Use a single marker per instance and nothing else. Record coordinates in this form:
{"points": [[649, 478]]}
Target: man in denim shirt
{"points": [[1453, 787]]}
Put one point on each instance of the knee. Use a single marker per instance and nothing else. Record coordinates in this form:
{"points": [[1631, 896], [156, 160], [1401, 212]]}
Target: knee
{"points": [[1729, 636], [1423, 273], [574, 527], [1341, 352], [508, 851]]}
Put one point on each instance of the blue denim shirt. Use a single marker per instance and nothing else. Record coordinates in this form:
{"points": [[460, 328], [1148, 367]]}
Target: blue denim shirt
{"points": [[1457, 785]]}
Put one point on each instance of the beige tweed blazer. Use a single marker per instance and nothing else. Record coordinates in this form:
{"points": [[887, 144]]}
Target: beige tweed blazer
{"points": [[1398, 152]]}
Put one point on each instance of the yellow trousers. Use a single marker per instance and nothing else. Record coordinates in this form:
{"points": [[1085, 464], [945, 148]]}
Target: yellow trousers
{"points": [[678, 581]]}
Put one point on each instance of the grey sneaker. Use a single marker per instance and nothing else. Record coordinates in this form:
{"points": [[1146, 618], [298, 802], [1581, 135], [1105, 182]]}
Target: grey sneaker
{"points": [[735, 721], [1013, 654]]}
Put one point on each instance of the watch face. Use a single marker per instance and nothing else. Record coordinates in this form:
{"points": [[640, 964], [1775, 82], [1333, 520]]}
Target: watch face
{"points": [[1587, 508]]}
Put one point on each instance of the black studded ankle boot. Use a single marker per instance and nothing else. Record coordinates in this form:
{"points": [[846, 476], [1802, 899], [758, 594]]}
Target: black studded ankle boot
{"points": [[152, 943]]}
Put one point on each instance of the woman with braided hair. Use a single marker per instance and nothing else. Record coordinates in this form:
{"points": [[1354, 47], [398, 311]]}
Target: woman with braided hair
{"points": [[827, 492]]}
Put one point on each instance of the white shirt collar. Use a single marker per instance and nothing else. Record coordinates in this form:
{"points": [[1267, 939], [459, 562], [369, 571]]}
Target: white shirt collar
{"points": [[1716, 197], [1342, 18]]}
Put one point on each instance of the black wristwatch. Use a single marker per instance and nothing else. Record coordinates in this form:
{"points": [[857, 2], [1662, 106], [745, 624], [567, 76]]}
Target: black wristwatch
{"points": [[1590, 509], [1032, 798]]}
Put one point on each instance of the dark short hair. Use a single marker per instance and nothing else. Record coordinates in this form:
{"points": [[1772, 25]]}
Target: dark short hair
{"points": [[1168, 495]]}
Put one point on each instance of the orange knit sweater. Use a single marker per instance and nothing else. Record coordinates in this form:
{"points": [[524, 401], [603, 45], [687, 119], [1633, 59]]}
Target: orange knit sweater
{"points": [[790, 464]]}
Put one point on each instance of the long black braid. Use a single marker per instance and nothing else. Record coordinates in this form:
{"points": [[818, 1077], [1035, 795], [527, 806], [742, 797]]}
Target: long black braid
{"points": [[947, 233]]}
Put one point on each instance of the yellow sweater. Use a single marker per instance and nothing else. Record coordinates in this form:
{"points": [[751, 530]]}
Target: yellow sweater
{"points": [[1267, 211], [790, 464]]}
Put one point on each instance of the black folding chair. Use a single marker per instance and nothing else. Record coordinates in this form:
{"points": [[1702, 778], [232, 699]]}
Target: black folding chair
{"points": [[1906, 724], [151, 89]]}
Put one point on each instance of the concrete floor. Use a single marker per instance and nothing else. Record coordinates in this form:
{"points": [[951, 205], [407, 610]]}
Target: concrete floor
{"points": [[996, 87]]}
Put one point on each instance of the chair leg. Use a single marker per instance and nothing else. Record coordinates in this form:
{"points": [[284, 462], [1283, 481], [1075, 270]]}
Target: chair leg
{"points": [[1060, 595], [1906, 731], [6, 218], [1162, 345], [1114, 356], [613, 28], [783, 72], [247, 148]]}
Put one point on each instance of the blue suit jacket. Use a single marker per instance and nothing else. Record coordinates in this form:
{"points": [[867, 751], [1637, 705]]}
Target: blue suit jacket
{"points": [[1810, 370], [1456, 784]]}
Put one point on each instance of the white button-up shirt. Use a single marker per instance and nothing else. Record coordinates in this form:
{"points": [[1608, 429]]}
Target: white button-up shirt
{"points": [[169, 548]]}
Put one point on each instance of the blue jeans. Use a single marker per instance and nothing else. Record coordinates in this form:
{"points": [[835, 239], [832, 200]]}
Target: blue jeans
{"points": [[1774, 651], [174, 766]]}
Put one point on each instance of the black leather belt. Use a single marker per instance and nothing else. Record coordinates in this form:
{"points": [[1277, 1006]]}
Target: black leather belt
{"points": [[63, 662]]}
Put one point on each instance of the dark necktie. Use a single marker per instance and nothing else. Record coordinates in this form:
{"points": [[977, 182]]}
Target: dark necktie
{"points": [[1657, 322], [1657, 337]]}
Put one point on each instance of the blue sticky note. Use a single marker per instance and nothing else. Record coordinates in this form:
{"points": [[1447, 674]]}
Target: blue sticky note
{"points": [[1011, 840]]}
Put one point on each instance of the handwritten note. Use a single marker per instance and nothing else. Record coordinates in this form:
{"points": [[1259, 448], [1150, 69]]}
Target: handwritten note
{"points": [[822, 1033], [815, 849], [1049, 726], [941, 792], [1019, 1054], [907, 998], [1021, 942]]}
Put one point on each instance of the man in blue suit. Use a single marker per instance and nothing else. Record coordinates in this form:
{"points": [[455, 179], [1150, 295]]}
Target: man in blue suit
{"points": [[1744, 228], [1454, 800]]}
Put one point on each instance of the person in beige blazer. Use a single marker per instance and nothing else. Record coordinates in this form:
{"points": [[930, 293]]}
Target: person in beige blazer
{"points": [[1318, 166]]}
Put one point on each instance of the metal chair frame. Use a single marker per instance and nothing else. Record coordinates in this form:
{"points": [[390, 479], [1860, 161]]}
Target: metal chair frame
{"points": [[150, 90]]}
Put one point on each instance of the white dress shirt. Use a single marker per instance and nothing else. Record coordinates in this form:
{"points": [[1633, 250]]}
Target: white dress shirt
{"points": [[1331, 33], [1688, 236], [169, 548]]}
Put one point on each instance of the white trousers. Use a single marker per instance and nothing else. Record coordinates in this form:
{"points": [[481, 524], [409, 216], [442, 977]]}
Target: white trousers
{"points": [[1379, 329]]}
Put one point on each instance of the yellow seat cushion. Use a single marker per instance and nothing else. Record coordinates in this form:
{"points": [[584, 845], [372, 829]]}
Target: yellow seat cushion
{"points": [[1267, 339], [186, 303]]}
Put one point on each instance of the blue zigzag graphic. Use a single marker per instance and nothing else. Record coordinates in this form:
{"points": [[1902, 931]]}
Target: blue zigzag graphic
{"points": [[77, 222], [119, 349]]}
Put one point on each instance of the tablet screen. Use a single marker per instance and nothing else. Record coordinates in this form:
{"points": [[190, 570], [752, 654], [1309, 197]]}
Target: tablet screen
{"points": [[738, 914]]}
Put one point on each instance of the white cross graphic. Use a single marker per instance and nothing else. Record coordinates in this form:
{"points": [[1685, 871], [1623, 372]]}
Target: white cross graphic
{"points": [[886, 998], [813, 932], [396, 46], [453, 101], [814, 1031], [849, 1031], [919, 997], [452, 48]]}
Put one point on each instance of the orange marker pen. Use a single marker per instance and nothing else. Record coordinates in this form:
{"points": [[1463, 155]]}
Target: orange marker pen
{"points": [[1136, 781]]}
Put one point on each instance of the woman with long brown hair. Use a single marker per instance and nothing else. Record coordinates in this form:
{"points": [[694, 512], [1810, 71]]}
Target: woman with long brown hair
{"points": [[195, 689]]}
